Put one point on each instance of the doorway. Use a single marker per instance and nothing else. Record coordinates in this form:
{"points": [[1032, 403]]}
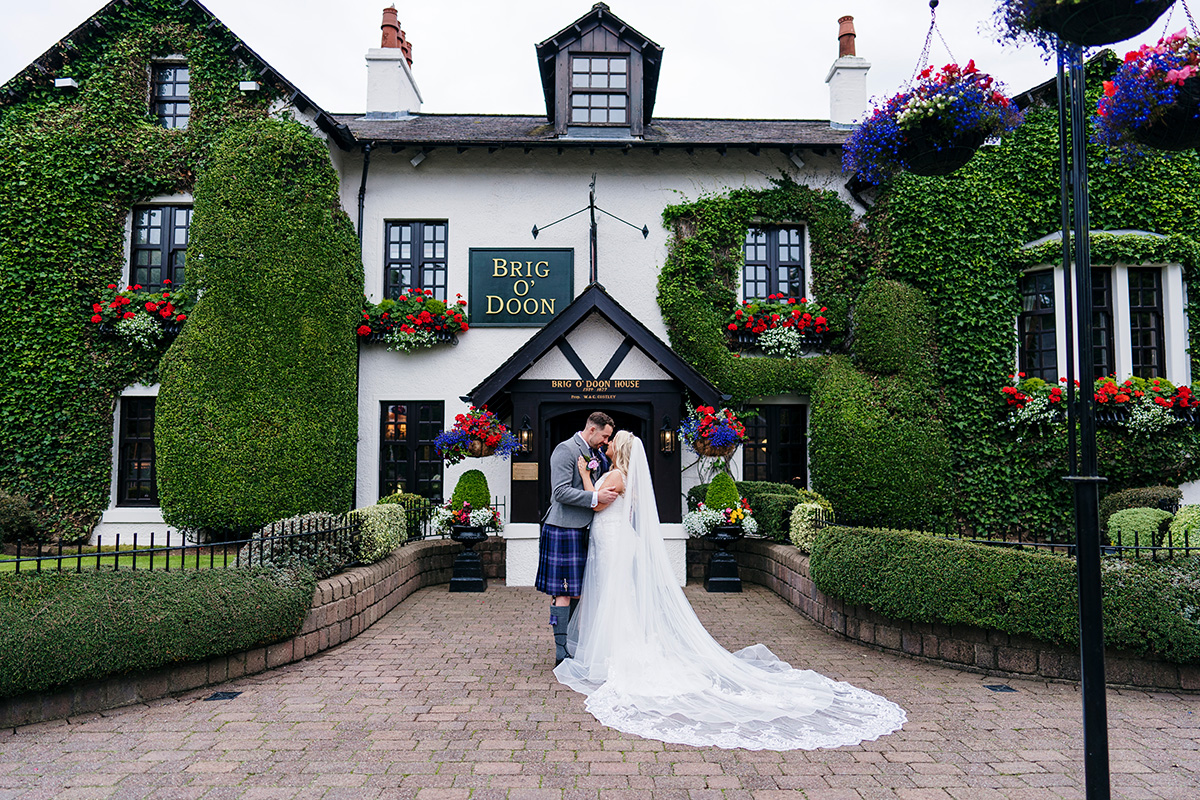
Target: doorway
{"points": [[561, 421]]}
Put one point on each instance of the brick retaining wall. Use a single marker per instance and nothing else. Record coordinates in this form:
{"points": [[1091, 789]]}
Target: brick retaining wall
{"points": [[343, 607], [784, 570]]}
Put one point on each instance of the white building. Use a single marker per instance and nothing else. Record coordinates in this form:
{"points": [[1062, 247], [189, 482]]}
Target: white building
{"points": [[448, 203]]}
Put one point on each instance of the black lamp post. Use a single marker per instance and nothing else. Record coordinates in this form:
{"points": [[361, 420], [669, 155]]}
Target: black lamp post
{"points": [[667, 437], [1083, 475]]}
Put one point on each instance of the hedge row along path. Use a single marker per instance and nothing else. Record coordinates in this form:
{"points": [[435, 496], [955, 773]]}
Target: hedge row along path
{"points": [[452, 697]]}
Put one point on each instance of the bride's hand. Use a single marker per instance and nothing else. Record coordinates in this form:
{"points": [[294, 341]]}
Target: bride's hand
{"points": [[582, 464]]}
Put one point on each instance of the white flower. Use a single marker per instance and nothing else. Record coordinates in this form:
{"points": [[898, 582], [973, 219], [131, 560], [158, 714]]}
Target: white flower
{"points": [[407, 342], [141, 329]]}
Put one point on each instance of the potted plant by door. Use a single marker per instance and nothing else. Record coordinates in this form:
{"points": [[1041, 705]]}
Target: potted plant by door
{"points": [[1154, 99], [723, 518], [932, 128], [1084, 22], [468, 518]]}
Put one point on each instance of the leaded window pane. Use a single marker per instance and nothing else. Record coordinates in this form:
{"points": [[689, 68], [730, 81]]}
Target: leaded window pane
{"points": [[415, 258], [408, 460], [158, 247], [776, 449], [171, 91], [137, 483], [1038, 345], [774, 262], [607, 74], [1146, 321]]}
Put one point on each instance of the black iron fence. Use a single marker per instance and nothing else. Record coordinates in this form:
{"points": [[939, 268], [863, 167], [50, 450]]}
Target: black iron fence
{"points": [[1162, 544], [328, 537], [331, 542]]}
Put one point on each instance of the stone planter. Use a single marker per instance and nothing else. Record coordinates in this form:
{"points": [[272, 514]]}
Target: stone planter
{"points": [[721, 575], [467, 575]]}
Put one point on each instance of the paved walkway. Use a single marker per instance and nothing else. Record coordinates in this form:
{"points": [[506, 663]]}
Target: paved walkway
{"points": [[450, 696]]}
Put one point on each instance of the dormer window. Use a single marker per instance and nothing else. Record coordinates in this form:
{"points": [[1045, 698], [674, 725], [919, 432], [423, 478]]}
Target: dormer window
{"points": [[599, 90], [171, 94]]}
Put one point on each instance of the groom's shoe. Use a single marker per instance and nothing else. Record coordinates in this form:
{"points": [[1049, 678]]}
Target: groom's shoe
{"points": [[559, 616]]}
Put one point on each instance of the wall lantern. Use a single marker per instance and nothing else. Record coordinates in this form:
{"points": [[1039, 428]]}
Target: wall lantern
{"points": [[525, 436], [666, 437]]}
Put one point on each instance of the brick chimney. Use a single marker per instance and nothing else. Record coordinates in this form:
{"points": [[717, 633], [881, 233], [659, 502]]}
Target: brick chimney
{"points": [[847, 80], [391, 89]]}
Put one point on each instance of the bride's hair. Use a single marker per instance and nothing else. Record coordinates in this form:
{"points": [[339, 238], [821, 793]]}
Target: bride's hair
{"points": [[622, 445]]}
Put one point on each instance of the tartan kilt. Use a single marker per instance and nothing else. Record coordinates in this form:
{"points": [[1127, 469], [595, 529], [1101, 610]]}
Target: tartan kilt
{"points": [[562, 554]]}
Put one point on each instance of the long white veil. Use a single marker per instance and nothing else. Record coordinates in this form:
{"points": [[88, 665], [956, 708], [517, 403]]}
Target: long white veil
{"points": [[649, 667]]}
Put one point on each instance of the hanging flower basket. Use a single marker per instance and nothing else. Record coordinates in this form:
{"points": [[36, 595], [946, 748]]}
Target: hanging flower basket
{"points": [[933, 128], [712, 433], [1083, 22], [1177, 126], [476, 434], [1154, 99], [929, 151]]}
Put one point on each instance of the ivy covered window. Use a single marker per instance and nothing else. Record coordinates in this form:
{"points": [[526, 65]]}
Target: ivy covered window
{"points": [[776, 449], [137, 483], [1146, 321], [158, 245], [415, 256], [171, 94], [1038, 351], [774, 262], [599, 90], [408, 461]]}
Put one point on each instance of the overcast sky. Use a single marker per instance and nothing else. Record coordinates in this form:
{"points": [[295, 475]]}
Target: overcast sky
{"points": [[745, 59]]}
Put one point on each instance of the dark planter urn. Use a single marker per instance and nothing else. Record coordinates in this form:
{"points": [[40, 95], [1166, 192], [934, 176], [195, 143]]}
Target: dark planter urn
{"points": [[1177, 127], [721, 575], [1096, 22], [930, 151], [468, 568]]}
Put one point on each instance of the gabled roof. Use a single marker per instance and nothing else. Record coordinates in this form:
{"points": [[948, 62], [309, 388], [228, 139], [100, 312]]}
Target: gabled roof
{"points": [[594, 299], [600, 16], [42, 71], [484, 130]]}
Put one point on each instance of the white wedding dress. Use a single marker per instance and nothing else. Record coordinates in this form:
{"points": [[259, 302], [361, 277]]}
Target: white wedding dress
{"points": [[649, 667]]}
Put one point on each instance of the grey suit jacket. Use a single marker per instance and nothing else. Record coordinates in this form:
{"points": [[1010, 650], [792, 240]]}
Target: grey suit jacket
{"points": [[570, 503]]}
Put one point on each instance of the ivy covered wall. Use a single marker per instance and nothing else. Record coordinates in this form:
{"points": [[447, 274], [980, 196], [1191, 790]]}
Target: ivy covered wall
{"points": [[72, 164], [906, 420]]}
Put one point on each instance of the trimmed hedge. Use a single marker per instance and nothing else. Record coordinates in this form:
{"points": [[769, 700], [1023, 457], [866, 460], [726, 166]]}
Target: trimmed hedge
{"points": [[60, 628], [774, 514], [381, 529], [722, 492], [257, 416], [17, 522], [747, 489], [802, 526], [1139, 527], [1166, 498], [893, 331], [472, 487], [1148, 607]]}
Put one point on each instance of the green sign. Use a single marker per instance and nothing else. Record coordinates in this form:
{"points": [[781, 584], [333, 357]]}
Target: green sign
{"points": [[519, 288]]}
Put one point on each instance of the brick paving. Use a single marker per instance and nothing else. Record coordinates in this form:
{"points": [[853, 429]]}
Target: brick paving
{"points": [[450, 697]]}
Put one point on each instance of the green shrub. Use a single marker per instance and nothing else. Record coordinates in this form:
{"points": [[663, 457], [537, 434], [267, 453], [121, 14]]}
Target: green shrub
{"points": [[59, 628], [381, 529], [1185, 528], [722, 493], [282, 545], [774, 513], [884, 453], [1148, 607], [802, 526], [1139, 527], [1165, 497], [257, 415], [471, 488], [893, 331], [417, 510], [17, 522], [747, 489]]}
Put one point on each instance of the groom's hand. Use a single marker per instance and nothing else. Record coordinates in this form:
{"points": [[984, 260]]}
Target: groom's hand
{"points": [[606, 495]]}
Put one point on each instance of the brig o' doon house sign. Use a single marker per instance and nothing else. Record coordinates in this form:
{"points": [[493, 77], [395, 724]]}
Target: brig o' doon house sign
{"points": [[519, 288]]}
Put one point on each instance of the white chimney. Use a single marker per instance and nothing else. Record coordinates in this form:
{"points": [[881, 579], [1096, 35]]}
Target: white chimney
{"points": [[391, 90], [847, 80]]}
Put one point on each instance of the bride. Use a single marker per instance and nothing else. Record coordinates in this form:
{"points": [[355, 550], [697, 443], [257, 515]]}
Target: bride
{"points": [[649, 667]]}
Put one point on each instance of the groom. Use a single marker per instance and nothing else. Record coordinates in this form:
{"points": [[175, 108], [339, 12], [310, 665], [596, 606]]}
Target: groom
{"points": [[562, 551]]}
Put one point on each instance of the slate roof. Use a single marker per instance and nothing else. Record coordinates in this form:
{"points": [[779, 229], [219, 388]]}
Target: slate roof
{"points": [[498, 130]]}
